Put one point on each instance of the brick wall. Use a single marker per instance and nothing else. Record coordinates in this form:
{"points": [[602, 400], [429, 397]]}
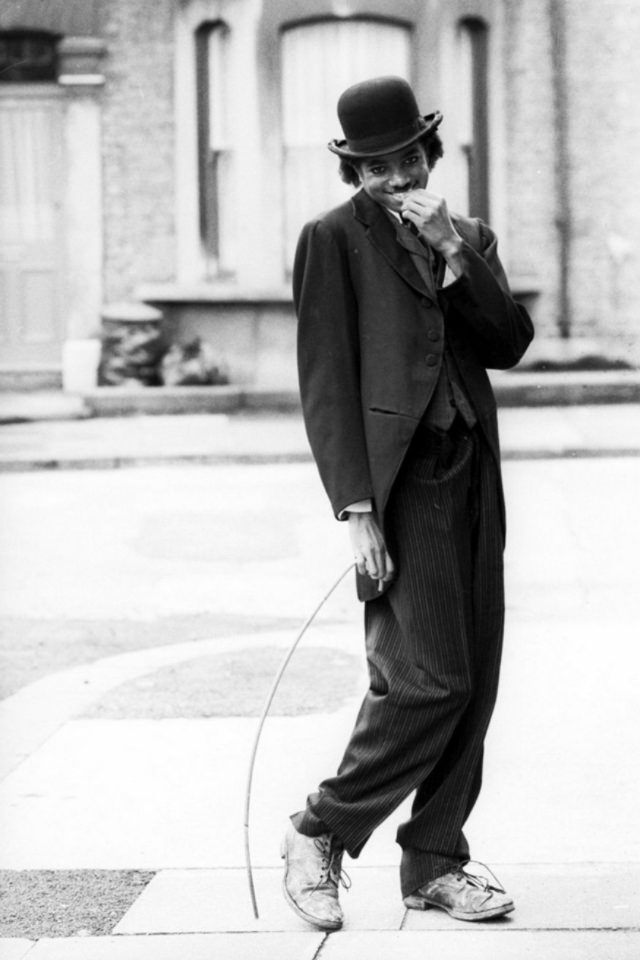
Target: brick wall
{"points": [[601, 76], [603, 70], [138, 144], [531, 199]]}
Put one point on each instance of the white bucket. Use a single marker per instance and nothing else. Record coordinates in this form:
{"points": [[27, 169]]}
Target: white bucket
{"points": [[80, 359]]}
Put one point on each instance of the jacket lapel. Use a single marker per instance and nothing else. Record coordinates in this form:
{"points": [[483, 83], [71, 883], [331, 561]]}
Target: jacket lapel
{"points": [[382, 235]]}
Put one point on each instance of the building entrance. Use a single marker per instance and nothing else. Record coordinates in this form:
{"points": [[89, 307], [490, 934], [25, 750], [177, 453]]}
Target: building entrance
{"points": [[31, 225]]}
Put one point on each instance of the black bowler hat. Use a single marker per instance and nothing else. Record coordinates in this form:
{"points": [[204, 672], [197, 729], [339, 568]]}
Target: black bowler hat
{"points": [[380, 116]]}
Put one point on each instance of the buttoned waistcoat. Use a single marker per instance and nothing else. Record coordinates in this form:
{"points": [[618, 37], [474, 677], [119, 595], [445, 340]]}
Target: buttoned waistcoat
{"points": [[370, 341]]}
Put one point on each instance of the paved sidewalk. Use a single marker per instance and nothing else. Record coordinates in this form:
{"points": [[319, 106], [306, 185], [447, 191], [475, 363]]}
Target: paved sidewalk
{"points": [[120, 794], [79, 793], [526, 432], [200, 915]]}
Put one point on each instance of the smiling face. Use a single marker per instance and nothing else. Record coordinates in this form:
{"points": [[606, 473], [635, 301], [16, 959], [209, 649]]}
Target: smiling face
{"points": [[388, 178]]}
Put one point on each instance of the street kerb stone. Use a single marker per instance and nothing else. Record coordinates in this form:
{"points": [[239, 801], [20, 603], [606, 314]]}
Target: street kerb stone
{"points": [[547, 431], [482, 944], [230, 946]]}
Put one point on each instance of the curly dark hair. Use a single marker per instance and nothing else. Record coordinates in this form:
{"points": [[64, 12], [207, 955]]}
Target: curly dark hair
{"points": [[430, 141]]}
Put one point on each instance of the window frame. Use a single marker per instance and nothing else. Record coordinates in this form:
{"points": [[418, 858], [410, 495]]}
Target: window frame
{"points": [[408, 29], [210, 160], [477, 153]]}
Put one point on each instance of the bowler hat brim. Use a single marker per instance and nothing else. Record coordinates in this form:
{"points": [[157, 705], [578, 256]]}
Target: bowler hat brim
{"points": [[388, 143]]}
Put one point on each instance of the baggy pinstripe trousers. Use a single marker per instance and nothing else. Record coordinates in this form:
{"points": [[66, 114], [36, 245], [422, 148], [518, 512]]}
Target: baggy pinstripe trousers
{"points": [[433, 646]]}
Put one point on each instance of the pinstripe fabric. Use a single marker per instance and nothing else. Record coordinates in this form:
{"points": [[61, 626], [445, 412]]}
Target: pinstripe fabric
{"points": [[433, 647]]}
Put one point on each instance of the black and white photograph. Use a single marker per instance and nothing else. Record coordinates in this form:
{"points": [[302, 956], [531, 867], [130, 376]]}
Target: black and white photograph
{"points": [[319, 473]]}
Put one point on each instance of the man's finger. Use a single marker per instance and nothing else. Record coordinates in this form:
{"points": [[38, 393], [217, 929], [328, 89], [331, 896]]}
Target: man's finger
{"points": [[374, 560], [387, 568]]}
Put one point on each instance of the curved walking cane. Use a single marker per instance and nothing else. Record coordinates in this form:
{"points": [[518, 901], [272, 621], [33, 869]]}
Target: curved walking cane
{"points": [[263, 717]]}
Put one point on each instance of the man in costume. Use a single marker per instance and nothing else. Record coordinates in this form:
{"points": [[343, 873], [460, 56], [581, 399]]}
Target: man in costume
{"points": [[402, 306]]}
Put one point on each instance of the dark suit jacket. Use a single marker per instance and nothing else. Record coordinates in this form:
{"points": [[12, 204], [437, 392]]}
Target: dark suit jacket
{"points": [[371, 337]]}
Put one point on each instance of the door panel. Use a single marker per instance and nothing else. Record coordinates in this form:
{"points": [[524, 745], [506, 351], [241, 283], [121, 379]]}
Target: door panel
{"points": [[31, 238]]}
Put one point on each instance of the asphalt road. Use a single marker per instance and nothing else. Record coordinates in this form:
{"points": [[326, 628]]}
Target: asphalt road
{"points": [[94, 562]]}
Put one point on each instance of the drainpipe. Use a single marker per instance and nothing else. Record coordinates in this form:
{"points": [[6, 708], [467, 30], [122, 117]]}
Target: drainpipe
{"points": [[558, 27]]}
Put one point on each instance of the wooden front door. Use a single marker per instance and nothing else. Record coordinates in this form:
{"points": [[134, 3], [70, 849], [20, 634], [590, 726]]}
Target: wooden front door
{"points": [[31, 227]]}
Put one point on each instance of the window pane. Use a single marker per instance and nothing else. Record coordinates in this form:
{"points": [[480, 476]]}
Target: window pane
{"points": [[27, 188], [215, 152], [473, 123], [27, 57], [318, 62]]}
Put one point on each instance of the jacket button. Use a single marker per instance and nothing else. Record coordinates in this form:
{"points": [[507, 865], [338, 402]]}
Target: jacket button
{"points": [[431, 359], [433, 335]]}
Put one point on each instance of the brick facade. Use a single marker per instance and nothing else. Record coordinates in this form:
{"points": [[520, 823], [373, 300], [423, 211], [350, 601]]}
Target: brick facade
{"points": [[530, 156], [564, 142], [138, 145], [603, 70]]}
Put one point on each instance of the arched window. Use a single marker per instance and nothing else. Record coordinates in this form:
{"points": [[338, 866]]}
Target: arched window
{"points": [[473, 47], [215, 154], [319, 60], [27, 56]]}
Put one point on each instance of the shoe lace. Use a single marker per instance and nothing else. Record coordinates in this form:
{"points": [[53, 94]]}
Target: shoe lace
{"points": [[478, 880], [331, 870]]}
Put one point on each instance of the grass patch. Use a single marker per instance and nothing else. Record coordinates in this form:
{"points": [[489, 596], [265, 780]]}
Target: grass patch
{"points": [[66, 903]]}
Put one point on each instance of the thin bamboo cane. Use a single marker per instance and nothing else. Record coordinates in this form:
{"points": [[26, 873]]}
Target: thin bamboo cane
{"points": [[263, 717]]}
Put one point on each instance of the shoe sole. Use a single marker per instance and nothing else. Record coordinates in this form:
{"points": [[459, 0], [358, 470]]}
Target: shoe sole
{"points": [[329, 925], [421, 903]]}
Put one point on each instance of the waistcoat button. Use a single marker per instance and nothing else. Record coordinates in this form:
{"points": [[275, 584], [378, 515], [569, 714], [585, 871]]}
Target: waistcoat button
{"points": [[431, 359]]}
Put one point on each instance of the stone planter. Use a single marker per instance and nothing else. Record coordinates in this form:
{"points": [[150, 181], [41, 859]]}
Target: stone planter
{"points": [[132, 345]]}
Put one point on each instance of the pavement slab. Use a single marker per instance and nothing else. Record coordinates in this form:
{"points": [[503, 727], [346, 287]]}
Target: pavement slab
{"points": [[160, 791], [226, 946], [31, 715], [208, 901], [482, 944], [15, 949], [548, 896]]}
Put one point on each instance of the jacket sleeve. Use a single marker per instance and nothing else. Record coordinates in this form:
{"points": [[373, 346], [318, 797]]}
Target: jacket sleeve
{"points": [[481, 310], [329, 365]]}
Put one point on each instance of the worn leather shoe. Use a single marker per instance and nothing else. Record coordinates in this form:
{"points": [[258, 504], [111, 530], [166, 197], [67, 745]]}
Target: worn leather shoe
{"points": [[313, 868], [463, 895]]}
